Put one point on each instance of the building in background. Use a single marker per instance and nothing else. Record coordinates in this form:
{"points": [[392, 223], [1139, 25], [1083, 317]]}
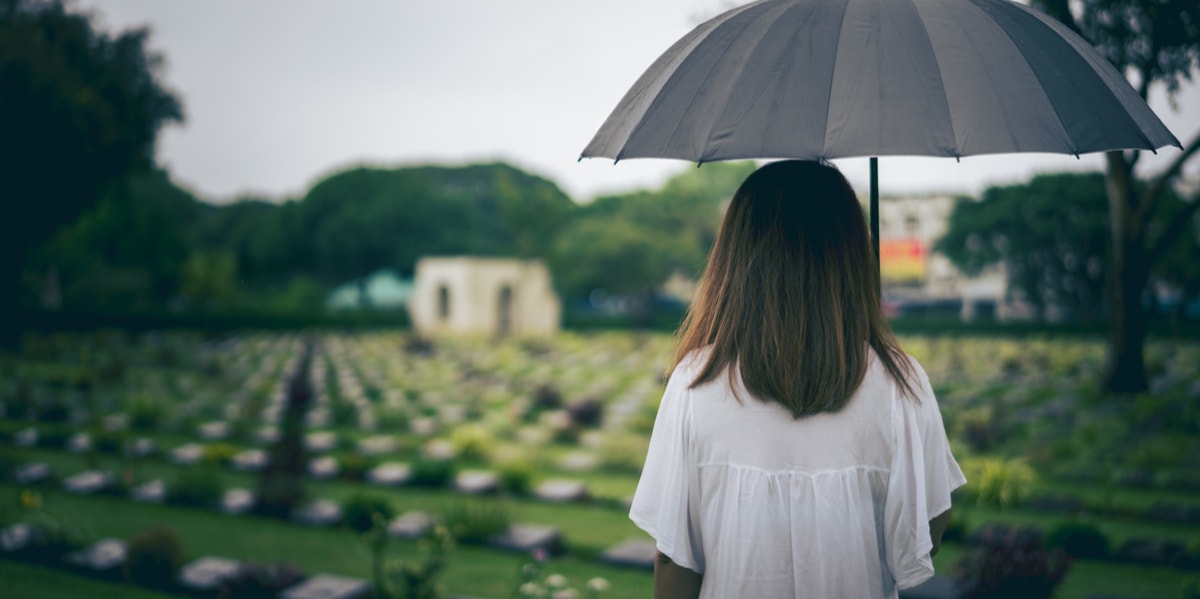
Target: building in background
{"points": [[384, 289], [484, 295], [918, 280]]}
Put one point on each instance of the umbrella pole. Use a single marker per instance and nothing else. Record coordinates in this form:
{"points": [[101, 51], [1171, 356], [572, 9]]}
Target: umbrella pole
{"points": [[875, 216]]}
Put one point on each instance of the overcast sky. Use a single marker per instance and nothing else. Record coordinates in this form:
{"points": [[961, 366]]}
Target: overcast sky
{"points": [[279, 93]]}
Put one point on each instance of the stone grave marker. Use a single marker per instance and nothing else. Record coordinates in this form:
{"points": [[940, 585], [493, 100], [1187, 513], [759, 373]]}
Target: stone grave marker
{"points": [[423, 427], [26, 437], [87, 482], [320, 512], [389, 474], [101, 556], [320, 441], [32, 473], [562, 491], [190, 453], [215, 430], [141, 447], [412, 524], [267, 434], [16, 537], [318, 417], [250, 460], [205, 574], [525, 538], [79, 443], [323, 467], [377, 445], [476, 482], [636, 553], [237, 501], [579, 461], [328, 586], [438, 449], [154, 491]]}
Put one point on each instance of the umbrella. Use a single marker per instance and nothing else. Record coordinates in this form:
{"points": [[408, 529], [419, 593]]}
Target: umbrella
{"points": [[823, 79]]}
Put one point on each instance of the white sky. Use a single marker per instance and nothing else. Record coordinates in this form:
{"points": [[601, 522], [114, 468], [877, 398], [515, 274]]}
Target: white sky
{"points": [[279, 93]]}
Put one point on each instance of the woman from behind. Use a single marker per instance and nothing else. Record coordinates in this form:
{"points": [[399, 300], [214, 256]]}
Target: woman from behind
{"points": [[797, 451]]}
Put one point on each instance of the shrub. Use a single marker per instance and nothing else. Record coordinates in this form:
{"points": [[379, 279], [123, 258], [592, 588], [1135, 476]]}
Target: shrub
{"points": [[1079, 540], [1190, 589], [587, 412], [475, 522], [979, 427], [417, 579], [1011, 562], [145, 415], [197, 487], [108, 442], [51, 537], [355, 466], [154, 557], [516, 476], [624, 453], [361, 508], [220, 454], [432, 472], [472, 442], [546, 397], [54, 437], [256, 581], [998, 482]]}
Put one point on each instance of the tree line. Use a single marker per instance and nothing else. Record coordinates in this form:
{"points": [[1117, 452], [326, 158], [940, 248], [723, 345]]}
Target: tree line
{"points": [[94, 224]]}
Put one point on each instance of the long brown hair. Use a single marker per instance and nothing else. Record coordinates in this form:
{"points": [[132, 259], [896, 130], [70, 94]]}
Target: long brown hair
{"points": [[790, 294]]}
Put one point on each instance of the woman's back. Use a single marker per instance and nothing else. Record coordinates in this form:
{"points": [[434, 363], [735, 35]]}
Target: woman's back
{"points": [[765, 505]]}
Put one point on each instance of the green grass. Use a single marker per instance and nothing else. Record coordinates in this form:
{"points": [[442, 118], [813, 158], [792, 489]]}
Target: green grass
{"points": [[30, 581], [472, 571]]}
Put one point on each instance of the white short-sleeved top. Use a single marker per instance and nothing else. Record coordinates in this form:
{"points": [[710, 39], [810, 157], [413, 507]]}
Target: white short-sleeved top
{"points": [[827, 506]]}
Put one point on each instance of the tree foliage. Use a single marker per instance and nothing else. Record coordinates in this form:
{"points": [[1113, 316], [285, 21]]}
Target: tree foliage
{"points": [[1052, 237], [80, 111]]}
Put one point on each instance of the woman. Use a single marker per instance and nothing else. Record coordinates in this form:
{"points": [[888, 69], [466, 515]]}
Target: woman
{"points": [[797, 452]]}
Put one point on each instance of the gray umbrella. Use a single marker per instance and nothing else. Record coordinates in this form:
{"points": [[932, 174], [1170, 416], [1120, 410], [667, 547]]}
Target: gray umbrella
{"points": [[813, 79]]}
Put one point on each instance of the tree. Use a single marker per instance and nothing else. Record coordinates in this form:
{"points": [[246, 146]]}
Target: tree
{"points": [[80, 111], [1049, 234], [1151, 41]]}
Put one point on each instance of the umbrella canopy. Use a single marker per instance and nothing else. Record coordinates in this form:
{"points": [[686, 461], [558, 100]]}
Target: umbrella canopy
{"points": [[813, 79]]}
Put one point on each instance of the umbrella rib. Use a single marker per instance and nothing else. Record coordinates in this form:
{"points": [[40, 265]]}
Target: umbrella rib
{"points": [[829, 84]]}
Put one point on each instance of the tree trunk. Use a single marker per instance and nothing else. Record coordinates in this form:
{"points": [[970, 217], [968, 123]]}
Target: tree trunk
{"points": [[1126, 369]]}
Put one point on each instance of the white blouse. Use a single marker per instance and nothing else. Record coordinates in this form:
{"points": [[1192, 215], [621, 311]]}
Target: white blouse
{"points": [[827, 506]]}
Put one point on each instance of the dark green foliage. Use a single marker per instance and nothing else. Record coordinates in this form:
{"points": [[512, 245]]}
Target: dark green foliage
{"points": [[1011, 562], [476, 522], [417, 578], [361, 509], [281, 484], [1079, 540], [433, 472], [586, 412], [198, 487], [516, 477], [547, 397], [108, 442], [81, 111], [260, 581], [154, 557]]}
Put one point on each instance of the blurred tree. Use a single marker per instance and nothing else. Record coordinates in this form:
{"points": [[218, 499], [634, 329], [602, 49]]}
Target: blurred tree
{"points": [[630, 244], [208, 280], [126, 251], [1152, 42], [1052, 236], [80, 111]]}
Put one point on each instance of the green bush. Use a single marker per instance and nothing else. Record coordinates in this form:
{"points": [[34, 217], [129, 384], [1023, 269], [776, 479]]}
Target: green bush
{"points": [[1190, 589], [197, 487], [108, 442], [430, 472], [154, 557], [355, 466], [516, 477], [145, 415], [220, 454], [472, 442], [1079, 540], [624, 453], [360, 509], [998, 482], [475, 522]]}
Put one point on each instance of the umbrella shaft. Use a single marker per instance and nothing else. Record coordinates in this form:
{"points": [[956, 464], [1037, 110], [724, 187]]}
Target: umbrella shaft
{"points": [[875, 210]]}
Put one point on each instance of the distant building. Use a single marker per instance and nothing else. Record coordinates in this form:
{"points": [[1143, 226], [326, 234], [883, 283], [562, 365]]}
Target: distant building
{"points": [[918, 279], [484, 295], [385, 290]]}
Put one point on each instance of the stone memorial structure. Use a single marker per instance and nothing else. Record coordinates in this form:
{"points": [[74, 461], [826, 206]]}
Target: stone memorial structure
{"points": [[484, 295]]}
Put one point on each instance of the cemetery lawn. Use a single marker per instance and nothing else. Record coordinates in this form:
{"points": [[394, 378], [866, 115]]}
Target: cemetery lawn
{"points": [[475, 571], [29, 581]]}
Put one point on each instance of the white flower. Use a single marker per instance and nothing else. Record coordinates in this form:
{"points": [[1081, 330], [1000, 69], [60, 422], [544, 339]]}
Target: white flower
{"points": [[597, 584], [556, 581]]}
